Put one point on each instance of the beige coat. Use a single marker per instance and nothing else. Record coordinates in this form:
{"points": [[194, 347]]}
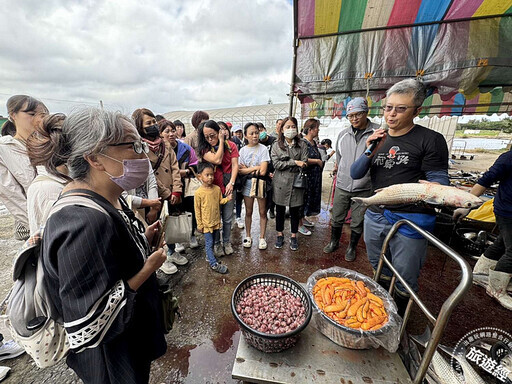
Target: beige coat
{"points": [[168, 174], [16, 174], [285, 171]]}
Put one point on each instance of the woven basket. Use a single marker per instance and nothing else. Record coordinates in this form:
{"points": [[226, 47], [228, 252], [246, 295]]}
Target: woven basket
{"points": [[263, 341]]}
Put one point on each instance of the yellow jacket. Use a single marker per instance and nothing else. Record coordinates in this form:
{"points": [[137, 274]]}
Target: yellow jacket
{"points": [[207, 203]]}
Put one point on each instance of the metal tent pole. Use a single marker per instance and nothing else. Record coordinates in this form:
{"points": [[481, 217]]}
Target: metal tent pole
{"points": [[295, 45]]}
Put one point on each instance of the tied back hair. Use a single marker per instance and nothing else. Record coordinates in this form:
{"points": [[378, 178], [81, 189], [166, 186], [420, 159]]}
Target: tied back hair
{"points": [[89, 131], [47, 147]]}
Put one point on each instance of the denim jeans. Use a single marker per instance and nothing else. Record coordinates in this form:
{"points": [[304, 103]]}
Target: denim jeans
{"points": [[501, 250], [208, 245], [226, 212], [407, 255]]}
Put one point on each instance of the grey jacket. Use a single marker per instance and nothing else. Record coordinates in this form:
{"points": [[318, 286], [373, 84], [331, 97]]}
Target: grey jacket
{"points": [[347, 151], [285, 171]]}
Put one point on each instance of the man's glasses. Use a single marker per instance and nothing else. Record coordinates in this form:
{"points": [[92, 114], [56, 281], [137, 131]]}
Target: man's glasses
{"points": [[138, 146], [398, 109], [357, 115]]}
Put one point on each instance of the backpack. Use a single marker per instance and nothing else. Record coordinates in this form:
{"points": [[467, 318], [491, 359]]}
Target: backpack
{"points": [[33, 319]]}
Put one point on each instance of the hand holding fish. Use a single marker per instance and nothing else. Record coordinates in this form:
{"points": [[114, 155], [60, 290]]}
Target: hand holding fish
{"points": [[460, 213]]}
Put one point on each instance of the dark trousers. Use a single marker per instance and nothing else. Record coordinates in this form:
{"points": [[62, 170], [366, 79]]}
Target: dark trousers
{"points": [[270, 201], [294, 218], [238, 204], [501, 250]]}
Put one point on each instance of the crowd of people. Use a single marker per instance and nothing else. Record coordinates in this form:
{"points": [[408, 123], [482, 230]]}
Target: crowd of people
{"points": [[132, 166]]}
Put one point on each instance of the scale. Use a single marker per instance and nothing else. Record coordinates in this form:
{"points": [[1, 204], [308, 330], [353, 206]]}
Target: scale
{"points": [[316, 359]]}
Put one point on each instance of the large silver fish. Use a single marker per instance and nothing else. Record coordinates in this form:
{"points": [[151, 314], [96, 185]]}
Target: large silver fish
{"points": [[429, 193]]}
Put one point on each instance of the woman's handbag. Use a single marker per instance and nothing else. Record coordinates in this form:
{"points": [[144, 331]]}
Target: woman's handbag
{"points": [[301, 180], [258, 186], [170, 307], [177, 227], [192, 184]]}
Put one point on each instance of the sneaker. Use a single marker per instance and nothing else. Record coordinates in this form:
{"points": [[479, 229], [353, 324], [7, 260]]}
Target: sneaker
{"points": [[3, 372], [168, 267], [10, 350], [176, 258], [272, 215], [193, 242], [247, 243], [279, 242], [228, 249], [307, 223], [263, 244], [218, 250], [220, 268], [179, 247], [240, 223], [294, 244], [304, 231]]}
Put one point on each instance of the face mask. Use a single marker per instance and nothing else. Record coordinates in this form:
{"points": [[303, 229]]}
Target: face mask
{"points": [[135, 173], [152, 132], [290, 133], [263, 135]]}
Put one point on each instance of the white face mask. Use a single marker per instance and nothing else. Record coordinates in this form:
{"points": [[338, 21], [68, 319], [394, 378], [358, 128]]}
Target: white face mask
{"points": [[290, 133]]}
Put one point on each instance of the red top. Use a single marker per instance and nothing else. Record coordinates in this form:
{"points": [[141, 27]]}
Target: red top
{"points": [[225, 167]]}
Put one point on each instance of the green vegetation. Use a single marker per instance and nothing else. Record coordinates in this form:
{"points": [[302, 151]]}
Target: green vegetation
{"points": [[492, 128]]}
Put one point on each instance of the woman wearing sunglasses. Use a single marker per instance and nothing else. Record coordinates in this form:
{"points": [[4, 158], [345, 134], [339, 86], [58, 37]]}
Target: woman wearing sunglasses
{"points": [[167, 173], [214, 147]]}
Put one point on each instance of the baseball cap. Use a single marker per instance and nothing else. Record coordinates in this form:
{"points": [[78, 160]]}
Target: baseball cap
{"points": [[229, 124], [236, 128]]}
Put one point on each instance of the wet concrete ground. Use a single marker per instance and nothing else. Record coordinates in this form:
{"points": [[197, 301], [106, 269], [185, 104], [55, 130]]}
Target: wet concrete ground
{"points": [[202, 345]]}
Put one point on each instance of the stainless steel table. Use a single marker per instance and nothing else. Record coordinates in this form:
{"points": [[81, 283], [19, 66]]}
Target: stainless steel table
{"points": [[316, 359]]}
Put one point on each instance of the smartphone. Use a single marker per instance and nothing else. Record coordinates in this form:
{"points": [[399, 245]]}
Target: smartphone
{"points": [[160, 235]]}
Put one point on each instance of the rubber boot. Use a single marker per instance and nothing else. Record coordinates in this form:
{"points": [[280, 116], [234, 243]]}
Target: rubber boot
{"points": [[481, 272], [334, 244], [350, 255], [497, 288]]}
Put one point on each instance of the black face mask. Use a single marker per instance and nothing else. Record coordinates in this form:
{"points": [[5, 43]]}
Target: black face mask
{"points": [[152, 132]]}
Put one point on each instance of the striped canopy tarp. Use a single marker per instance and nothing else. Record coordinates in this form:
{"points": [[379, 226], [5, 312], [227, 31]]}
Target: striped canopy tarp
{"points": [[461, 49]]}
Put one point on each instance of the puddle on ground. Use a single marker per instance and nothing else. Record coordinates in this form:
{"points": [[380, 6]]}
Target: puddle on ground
{"points": [[209, 362]]}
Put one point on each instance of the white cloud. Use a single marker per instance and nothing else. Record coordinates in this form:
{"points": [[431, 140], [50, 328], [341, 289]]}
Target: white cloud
{"points": [[164, 55]]}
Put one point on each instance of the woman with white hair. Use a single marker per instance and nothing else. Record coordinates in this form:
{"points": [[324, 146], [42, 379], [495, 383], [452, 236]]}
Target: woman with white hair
{"points": [[98, 263]]}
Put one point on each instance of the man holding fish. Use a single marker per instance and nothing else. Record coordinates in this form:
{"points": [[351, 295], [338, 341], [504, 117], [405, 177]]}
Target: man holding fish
{"points": [[406, 153]]}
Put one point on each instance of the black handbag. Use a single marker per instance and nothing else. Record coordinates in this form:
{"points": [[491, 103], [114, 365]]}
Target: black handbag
{"points": [[301, 180]]}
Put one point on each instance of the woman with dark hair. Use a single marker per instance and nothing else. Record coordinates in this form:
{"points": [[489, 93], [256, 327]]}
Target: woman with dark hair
{"points": [[98, 265], [16, 172], [165, 167], [187, 163], [180, 129], [313, 193], [254, 158], [289, 155], [46, 152], [215, 148]]}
